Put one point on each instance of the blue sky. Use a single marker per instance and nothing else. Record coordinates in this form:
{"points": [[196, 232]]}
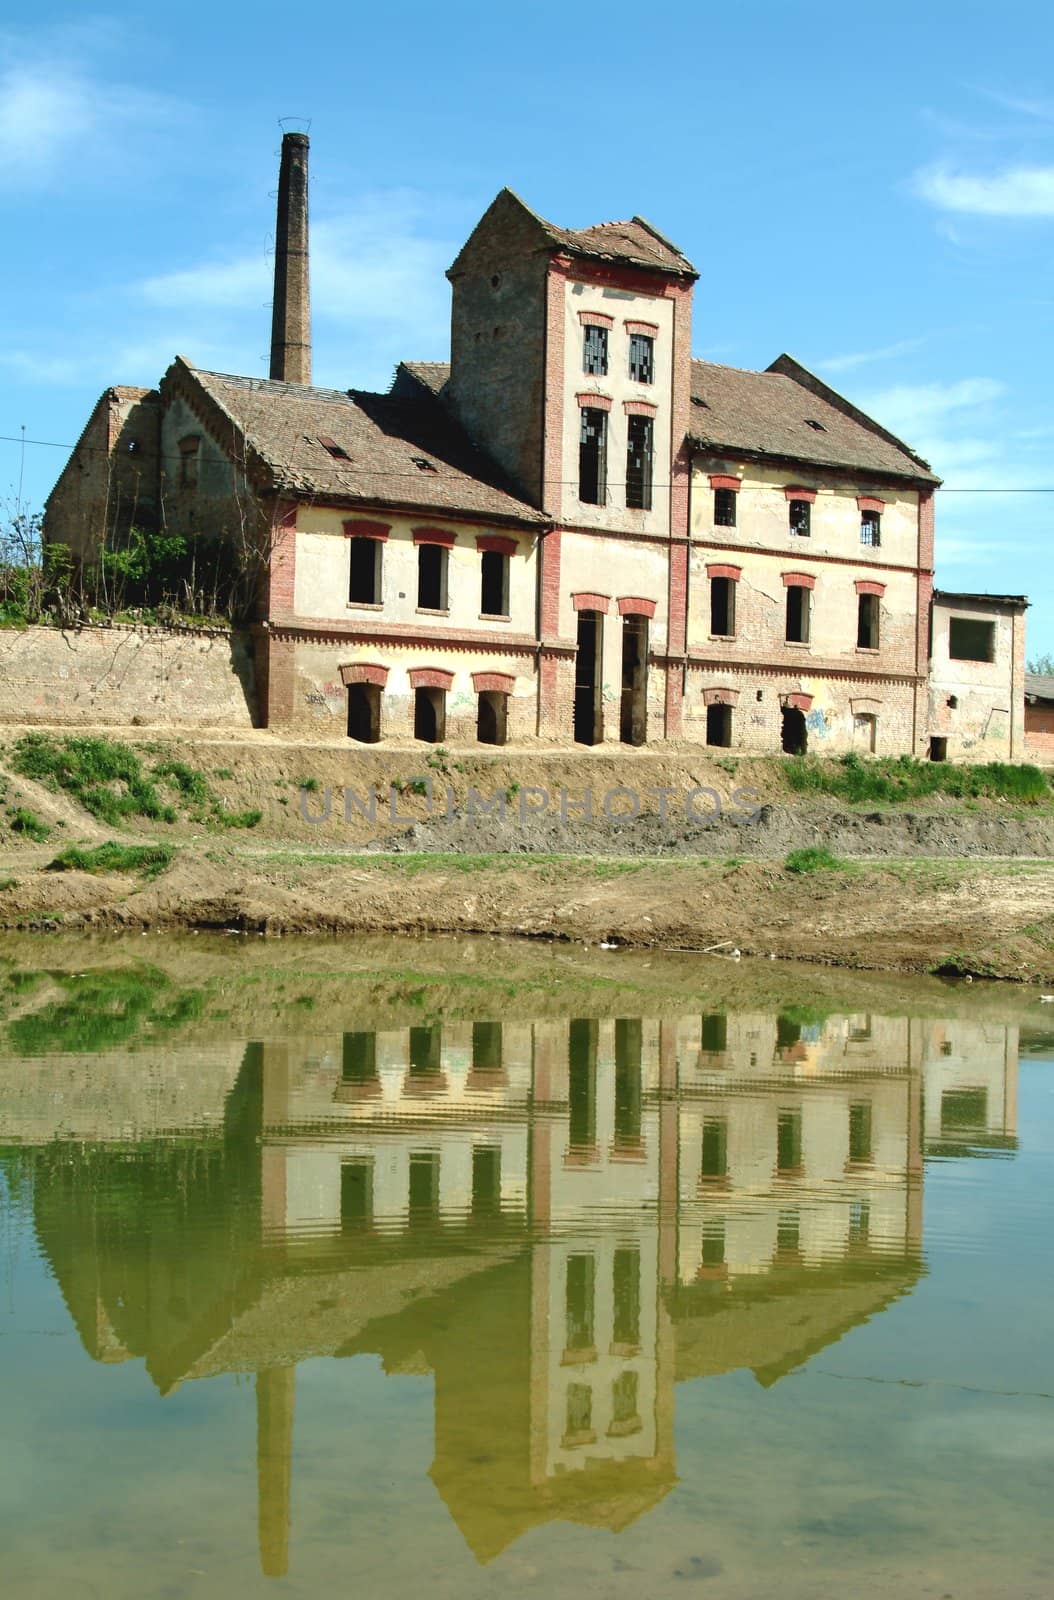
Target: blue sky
{"points": [[872, 191]]}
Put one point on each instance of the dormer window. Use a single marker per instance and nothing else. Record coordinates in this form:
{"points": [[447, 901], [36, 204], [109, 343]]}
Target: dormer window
{"points": [[189, 450]]}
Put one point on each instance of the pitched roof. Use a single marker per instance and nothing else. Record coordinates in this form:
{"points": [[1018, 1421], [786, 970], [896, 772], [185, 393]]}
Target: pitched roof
{"points": [[396, 450], [1039, 685], [635, 243], [1015, 601], [792, 415]]}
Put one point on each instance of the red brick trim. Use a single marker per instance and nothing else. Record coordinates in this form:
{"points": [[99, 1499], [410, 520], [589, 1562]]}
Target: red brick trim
{"points": [[804, 579], [720, 697], [430, 678], [632, 605], [649, 328], [720, 569], [598, 402], [366, 530], [800, 702], [364, 672], [591, 602], [495, 682], [493, 541], [866, 586], [596, 319], [722, 480], [442, 536], [549, 583], [640, 408], [870, 502], [794, 491]]}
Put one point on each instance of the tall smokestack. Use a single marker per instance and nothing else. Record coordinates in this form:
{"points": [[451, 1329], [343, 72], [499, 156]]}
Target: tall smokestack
{"points": [[291, 319]]}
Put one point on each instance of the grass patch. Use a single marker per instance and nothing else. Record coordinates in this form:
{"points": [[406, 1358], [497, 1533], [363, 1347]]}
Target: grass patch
{"points": [[894, 780], [102, 1009], [813, 858], [28, 823], [235, 819], [106, 778], [149, 860], [190, 783]]}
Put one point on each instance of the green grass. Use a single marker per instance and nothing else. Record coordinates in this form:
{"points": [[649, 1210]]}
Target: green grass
{"points": [[106, 778], [149, 860], [814, 858], [27, 822], [190, 783], [894, 780]]}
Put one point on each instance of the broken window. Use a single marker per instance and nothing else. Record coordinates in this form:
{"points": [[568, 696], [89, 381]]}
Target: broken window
{"points": [[494, 584], [356, 1194], [971, 640], [364, 584], [800, 515], [713, 1242], [788, 1141], [579, 1293], [486, 1181], [592, 456], [798, 609], [579, 1420], [723, 607], [337, 451], [867, 613], [642, 358], [595, 352], [431, 577], [625, 1417], [715, 1149], [626, 1296], [638, 463], [860, 1131], [871, 528], [423, 1194], [724, 508]]}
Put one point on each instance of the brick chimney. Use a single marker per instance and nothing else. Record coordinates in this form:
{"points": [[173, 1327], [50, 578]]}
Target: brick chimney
{"points": [[291, 319]]}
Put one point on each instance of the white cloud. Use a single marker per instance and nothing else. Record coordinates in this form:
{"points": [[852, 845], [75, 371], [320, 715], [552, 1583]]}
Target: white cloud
{"points": [[863, 358], [1013, 192], [918, 408]]}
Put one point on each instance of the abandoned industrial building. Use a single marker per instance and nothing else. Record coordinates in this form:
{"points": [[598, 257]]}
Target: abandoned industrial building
{"points": [[573, 531]]}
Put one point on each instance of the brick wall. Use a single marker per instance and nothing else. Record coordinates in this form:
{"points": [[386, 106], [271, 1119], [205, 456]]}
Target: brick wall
{"points": [[1039, 732], [124, 675]]}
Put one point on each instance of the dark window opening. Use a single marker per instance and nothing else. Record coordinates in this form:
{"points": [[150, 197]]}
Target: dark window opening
{"points": [[723, 607], [579, 1422], [579, 1295], [938, 749], [867, 615], [426, 1045], [871, 528], [725, 508], [639, 463], [800, 517], [628, 1082], [423, 464], [964, 1109], [818, 427], [860, 1131], [582, 1083], [715, 1032], [953, 702], [492, 717], [970, 640], [359, 1058], [592, 456], [788, 1032], [788, 1141], [788, 1233], [486, 1047], [799, 604], [859, 1221], [337, 451], [588, 711], [364, 586], [642, 358], [595, 351], [633, 719], [626, 1287], [494, 584], [794, 737], [713, 1243], [424, 1186], [431, 577], [486, 1181], [625, 1417], [430, 715], [364, 712], [719, 725], [356, 1195], [715, 1148]]}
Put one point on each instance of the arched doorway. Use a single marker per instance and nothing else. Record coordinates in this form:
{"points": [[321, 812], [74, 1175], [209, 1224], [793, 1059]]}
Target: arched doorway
{"points": [[719, 725], [364, 712], [794, 737], [491, 717], [430, 715]]}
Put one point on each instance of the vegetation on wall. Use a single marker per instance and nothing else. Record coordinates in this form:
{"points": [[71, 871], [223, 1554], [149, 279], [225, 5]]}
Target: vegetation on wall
{"points": [[895, 779]]}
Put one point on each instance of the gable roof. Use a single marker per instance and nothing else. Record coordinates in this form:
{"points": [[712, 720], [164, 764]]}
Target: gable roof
{"points": [[634, 243], [769, 414], [385, 439]]}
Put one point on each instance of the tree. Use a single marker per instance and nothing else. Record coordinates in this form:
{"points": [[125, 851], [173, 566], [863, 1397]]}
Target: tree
{"points": [[1044, 665]]}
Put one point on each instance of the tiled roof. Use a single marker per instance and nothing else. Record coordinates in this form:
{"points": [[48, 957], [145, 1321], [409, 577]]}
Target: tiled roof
{"points": [[774, 414], [1039, 685], [635, 242], [432, 374], [973, 597], [397, 450]]}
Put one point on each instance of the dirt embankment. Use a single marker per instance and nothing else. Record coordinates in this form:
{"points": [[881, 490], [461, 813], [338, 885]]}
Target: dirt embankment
{"points": [[967, 888]]}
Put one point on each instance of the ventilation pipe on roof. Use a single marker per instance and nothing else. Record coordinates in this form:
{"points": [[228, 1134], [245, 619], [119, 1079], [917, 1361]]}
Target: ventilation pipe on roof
{"points": [[291, 317]]}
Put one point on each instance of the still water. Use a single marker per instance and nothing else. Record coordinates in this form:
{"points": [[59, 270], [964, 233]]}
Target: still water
{"points": [[467, 1272]]}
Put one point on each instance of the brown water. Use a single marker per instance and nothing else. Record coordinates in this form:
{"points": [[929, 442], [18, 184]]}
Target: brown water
{"points": [[470, 1275]]}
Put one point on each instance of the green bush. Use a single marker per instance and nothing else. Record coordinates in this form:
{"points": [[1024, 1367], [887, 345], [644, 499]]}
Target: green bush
{"points": [[814, 858], [27, 822], [190, 783], [894, 780], [149, 860], [106, 778]]}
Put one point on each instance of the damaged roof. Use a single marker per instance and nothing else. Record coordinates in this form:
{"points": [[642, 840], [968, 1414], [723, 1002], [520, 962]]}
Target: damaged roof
{"points": [[400, 450], [788, 413], [634, 243]]}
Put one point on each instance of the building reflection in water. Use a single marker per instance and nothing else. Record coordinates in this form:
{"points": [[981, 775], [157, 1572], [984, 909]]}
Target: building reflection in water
{"points": [[559, 1220]]}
